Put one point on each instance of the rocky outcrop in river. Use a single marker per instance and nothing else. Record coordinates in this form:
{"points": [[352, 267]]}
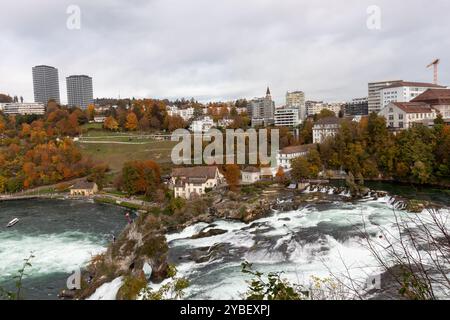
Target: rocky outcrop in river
{"points": [[143, 242]]}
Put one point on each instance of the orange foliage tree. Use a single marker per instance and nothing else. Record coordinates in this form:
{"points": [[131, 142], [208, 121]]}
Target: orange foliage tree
{"points": [[175, 122], [90, 112], [141, 177], [232, 175], [111, 124], [132, 122]]}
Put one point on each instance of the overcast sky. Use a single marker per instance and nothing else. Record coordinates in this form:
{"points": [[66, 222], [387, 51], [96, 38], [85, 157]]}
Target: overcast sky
{"points": [[223, 50]]}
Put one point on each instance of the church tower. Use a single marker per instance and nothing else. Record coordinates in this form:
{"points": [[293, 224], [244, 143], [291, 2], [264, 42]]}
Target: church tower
{"points": [[268, 95]]}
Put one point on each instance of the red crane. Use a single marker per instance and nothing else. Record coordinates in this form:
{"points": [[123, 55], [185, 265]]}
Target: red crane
{"points": [[435, 64]]}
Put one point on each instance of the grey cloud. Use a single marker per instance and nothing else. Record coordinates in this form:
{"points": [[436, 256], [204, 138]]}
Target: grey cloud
{"points": [[224, 49]]}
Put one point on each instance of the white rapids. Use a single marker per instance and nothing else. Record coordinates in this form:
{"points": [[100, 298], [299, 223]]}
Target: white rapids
{"points": [[318, 240]]}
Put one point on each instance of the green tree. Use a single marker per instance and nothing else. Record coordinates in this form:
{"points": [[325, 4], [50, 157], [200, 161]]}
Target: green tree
{"points": [[300, 169], [98, 175]]}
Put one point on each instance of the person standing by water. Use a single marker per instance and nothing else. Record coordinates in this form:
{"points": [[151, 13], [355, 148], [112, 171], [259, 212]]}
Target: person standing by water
{"points": [[127, 215]]}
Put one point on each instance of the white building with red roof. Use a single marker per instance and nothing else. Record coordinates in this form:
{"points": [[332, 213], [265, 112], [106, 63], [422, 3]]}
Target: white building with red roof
{"points": [[194, 181], [403, 115], [286, 155], [439, 99]]}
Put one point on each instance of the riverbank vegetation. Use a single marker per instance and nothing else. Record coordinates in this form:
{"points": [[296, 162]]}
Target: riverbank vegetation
{"points": [[369, 150], [18, 278]]}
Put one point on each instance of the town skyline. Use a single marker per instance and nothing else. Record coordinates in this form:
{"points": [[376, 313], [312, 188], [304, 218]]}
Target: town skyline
{"points": [[170, 57]]}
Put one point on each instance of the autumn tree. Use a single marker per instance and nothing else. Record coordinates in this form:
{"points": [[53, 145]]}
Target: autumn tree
{"points": [[98, 175], [232, 175], [241, 121], [90, 112], [144, 124], [2, 125], [280, 176], [122, 117], [175, 122], [3, 184], [52, 105], [111, 124], [141, 177], [5, 98], [324, 113]]}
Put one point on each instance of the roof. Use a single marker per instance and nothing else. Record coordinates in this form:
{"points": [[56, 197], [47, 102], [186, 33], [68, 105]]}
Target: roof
{"points": [[266, 171], [195, 181], [414, 107], [251, 169], [83, 185], [296, 149], [78, 76], [413, 84], [43, 65], [195, 172], [296, 92], [433, 96], [385, 81]]}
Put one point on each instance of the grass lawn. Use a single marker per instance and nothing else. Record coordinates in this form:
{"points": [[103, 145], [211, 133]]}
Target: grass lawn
{"points": [[91, 130], [127, 138], [115, 155], [99, 145], [124, 204], [91, 126]]}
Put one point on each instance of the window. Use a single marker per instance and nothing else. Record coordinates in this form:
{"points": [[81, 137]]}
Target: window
{"points": [[391, 109], [400, 116], [391, 117], [391, 124], [400, 124]]}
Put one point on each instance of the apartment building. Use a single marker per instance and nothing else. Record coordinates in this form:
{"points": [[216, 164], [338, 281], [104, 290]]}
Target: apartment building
{"points": [[186, 114], [287, 117], [296, 99], [79, 91], [404, 91], [45, 84], [374, 96], [315, 107], [16, 108], [357, 107]]}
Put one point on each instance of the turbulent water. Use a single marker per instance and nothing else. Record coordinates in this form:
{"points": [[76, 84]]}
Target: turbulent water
{"points": [[317, 240], [312, 241], [62, 235]]}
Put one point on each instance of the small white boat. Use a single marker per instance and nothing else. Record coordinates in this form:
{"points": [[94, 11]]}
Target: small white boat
{"points": [[12, 222]]}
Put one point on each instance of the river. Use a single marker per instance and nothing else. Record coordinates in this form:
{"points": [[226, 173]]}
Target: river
{"points": [[61, 234], [314, 241]]}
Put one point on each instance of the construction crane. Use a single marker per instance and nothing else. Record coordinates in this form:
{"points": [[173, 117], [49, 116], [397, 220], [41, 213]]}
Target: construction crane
{"points": [[435, 64]]}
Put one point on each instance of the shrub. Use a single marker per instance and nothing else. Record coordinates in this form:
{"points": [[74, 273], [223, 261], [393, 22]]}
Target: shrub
{"points": [[131, 287]]}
